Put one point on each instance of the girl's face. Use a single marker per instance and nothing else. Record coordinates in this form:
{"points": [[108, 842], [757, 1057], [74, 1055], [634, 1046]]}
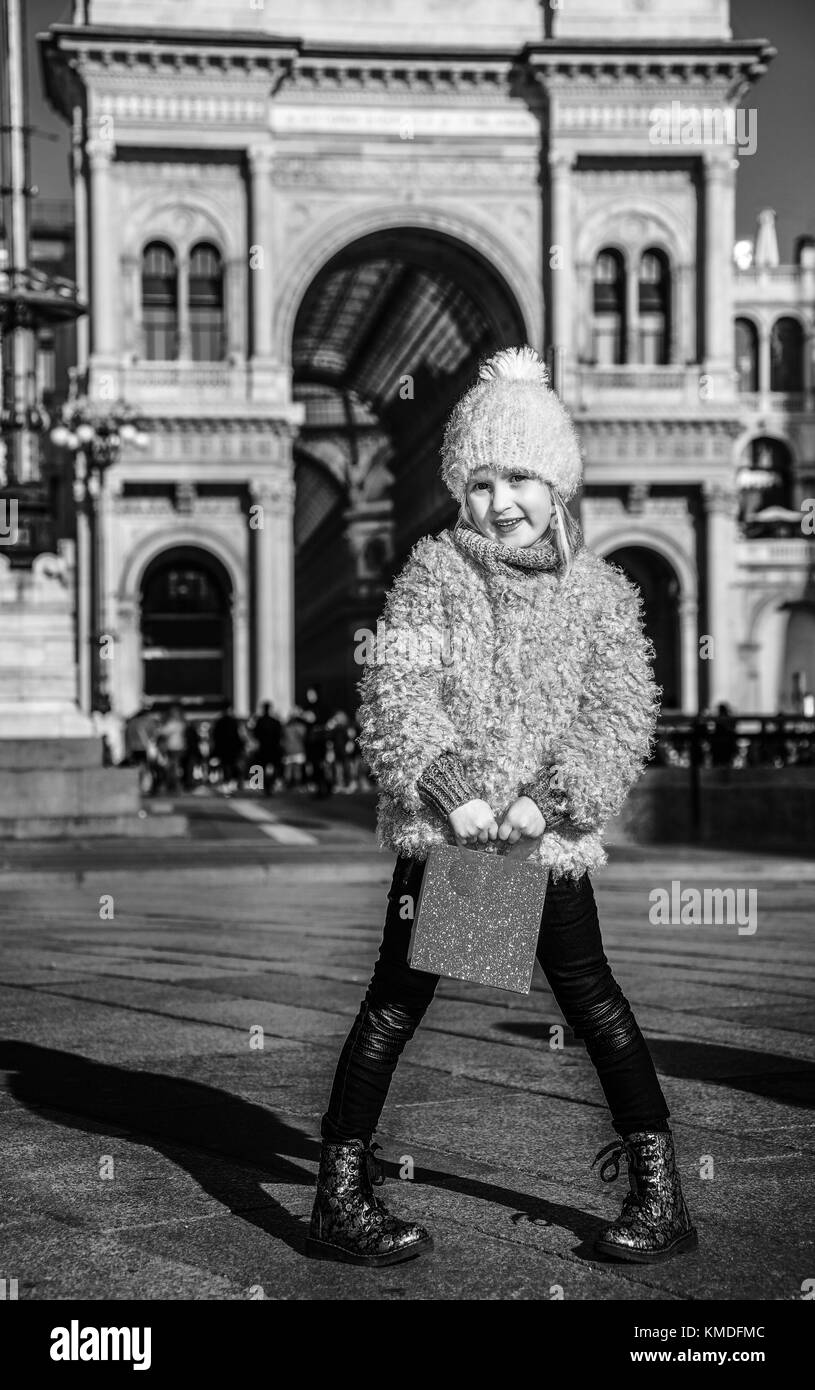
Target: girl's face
{"points": [[513, 507]]}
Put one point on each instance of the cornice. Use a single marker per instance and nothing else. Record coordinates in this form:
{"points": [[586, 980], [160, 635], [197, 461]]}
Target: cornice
{"points": [[616, 58], [647, 67], [165, 422], [302, 68], [71, 55], [430, 74], [664, 425]]}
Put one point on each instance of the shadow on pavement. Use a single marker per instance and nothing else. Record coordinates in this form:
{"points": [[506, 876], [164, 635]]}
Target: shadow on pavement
{"points": [[169, 1115], [787, 1079]]}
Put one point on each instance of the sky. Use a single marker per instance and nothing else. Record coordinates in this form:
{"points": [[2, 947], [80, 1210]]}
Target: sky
{"points": [[781, 173]]}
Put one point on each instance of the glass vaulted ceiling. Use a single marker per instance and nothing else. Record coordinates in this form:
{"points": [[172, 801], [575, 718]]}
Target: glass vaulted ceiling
{"points": [[401, 302], [367, 321], [363, 326]]}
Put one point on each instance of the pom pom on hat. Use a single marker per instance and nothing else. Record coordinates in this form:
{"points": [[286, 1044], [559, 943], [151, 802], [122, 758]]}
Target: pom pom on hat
{"points": [[511, 419], [514, 364]]}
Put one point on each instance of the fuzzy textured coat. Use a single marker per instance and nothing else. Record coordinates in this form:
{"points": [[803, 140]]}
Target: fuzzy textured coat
{"points": [[517, 672]]}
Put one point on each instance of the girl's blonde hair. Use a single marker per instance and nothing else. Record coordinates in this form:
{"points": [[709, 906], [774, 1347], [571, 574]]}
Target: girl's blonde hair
{"points": [[563, 530]]}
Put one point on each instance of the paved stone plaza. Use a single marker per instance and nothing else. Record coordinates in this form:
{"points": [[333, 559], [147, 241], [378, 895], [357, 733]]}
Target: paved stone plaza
{"points": [[152, 1149]]}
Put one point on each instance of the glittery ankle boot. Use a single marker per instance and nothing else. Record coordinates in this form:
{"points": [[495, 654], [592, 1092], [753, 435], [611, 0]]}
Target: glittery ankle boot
{"points": [[348, 1221], [654, 1224]]}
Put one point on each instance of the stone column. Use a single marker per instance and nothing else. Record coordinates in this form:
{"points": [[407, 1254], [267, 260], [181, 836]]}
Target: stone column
{"points": [[104, 286], [184, 353], [260, 257], [632, 313], [237, 337], [688, 327], [678, 349], [720, 192], [689, 648], [263, 492], [80, 191], [561, 279], [764, 365], [721, 507], [131, 317], [240, 655], [584, 312], [83, 585], [283, 596], [110, 489], [128, 685], [274, 590]]}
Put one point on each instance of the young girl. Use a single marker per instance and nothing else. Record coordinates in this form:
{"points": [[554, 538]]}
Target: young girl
{"points": [[525, 714]]}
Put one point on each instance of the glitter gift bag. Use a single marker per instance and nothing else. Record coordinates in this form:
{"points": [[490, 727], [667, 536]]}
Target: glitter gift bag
{"points": [[478, 917]]}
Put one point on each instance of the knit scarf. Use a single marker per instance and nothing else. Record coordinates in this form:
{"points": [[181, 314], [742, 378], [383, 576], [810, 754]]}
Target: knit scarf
{"points": [[496, 557]]}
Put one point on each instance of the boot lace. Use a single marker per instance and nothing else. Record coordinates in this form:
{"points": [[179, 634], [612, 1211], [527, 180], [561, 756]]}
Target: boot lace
{"points": [[375, 1169], [611, 1155]]}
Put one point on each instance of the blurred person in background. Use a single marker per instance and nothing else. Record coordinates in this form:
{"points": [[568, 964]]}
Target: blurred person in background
{"points": [[337, 734], [173, 735], [109, 728], [192, 759], [319, 755], [267, 731], [228, 748], [140, 746], [724, 744], [293, 743]]}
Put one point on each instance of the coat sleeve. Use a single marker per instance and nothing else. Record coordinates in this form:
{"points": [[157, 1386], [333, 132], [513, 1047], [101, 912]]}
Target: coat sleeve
{"points": [[606, 747], [404, 728]]}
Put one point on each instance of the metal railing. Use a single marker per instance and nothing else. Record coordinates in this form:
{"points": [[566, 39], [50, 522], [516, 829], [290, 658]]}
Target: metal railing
{"points": [[736, 741], [741, 744]]}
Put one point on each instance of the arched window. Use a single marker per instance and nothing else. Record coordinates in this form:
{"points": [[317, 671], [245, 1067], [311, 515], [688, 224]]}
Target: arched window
{"points": [[786, 356], [659, 587], [746, 346], [654, 307], [609, 308], [206, 304], [186, 629], [159, 298], [798, 676], [766, 489]]}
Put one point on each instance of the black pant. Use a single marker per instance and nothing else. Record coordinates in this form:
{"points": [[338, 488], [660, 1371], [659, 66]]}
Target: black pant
{"points": [[570, 951]]}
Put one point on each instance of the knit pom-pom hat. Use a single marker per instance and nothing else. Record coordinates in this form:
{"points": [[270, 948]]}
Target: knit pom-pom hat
{"points": [[511, 419]]}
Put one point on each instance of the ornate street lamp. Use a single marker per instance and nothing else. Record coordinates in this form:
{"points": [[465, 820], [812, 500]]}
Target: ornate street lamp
{"points": [[94, 435], [29, 301]]}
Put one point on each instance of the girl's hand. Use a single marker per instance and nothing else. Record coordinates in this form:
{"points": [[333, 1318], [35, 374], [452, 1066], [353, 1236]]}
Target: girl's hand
{"points": [[523, 817], [474, 821]]}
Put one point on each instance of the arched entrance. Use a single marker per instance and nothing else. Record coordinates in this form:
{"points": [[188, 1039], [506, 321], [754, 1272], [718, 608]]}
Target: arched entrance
{"points": [[798, 671], [186, 630], [386, 339], [659, 585]]}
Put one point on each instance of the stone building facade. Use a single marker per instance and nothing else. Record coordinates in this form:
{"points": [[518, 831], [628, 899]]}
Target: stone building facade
{"points": [[300, 226]]}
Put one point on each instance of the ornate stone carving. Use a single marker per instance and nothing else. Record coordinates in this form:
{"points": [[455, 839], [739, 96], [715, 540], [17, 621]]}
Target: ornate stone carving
{"points": [[432, 77], [185, 498], [260, 158], [615, 440], [277, 492], [100, 153], [669, 179], [653, 508], [417, 171], [195, 212], [720, 497], [637, 495], [143, 506]]}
